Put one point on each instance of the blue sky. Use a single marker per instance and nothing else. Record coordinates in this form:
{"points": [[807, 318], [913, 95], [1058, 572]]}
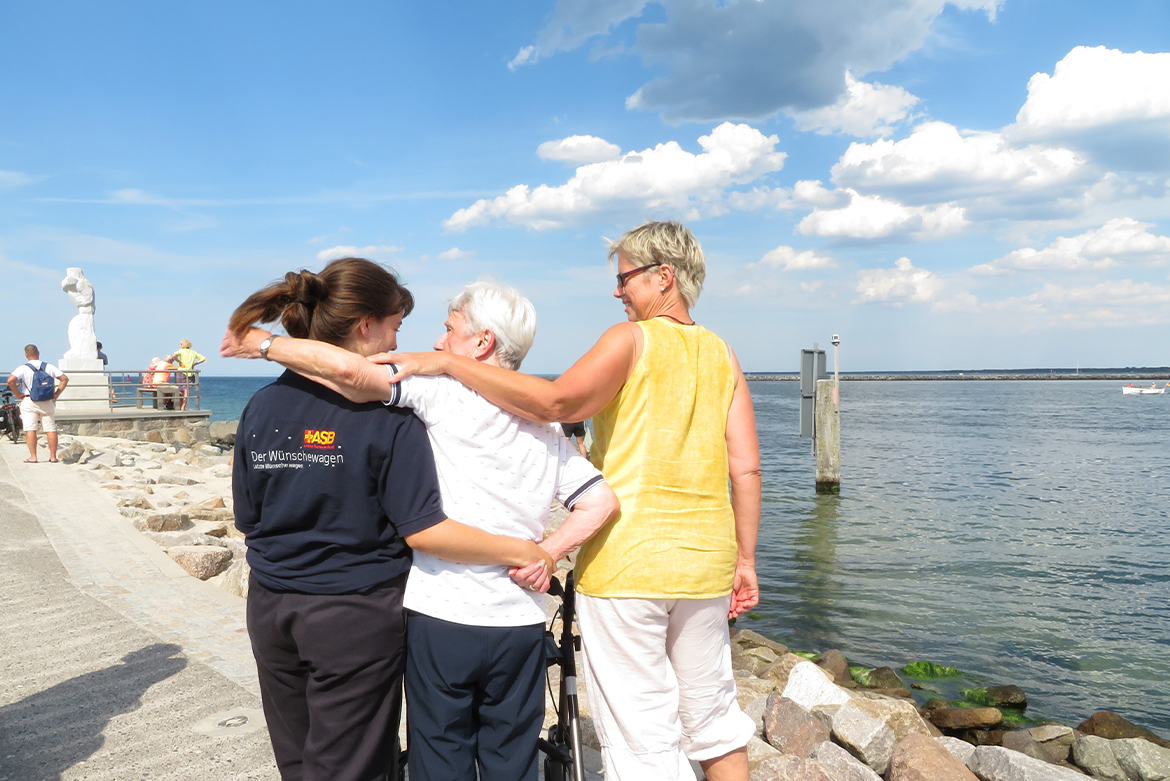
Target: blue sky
{"points": [[947, 185]]}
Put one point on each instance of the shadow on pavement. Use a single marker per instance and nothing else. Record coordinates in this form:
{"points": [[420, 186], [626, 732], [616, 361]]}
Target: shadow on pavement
{"points": [[46, 733]]}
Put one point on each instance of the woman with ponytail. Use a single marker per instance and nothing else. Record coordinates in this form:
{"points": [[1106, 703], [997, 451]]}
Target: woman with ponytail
{"points": [[332, 496]]}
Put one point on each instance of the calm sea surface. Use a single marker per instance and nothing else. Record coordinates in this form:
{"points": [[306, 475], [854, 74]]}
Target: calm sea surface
{"points": [[1019, 531], [226, 397], [1015, 530]]}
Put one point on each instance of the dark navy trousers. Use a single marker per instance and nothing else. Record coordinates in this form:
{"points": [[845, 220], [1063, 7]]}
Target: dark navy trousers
{"points": [[474, 698], [330, 678]]}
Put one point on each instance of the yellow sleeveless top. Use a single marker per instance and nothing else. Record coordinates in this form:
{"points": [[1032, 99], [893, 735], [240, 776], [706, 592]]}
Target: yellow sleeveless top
{"points": [[661, 445]]}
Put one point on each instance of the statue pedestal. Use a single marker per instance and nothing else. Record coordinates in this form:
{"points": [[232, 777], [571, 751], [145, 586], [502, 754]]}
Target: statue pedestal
{"points": [[88, 388]]}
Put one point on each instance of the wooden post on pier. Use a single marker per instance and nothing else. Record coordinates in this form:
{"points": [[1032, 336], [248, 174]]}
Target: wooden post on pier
{"points": [[828, 428]]}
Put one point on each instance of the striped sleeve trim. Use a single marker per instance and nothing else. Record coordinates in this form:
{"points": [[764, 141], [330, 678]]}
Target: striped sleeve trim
{"points": [[395, 389], [572, 500]]}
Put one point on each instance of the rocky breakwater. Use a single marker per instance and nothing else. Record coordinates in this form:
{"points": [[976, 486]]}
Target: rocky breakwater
{"points": [[179, 495], [820, 719]]}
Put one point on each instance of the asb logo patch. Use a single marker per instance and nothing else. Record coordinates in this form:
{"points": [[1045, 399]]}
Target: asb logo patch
{"points": [[320, 438]]}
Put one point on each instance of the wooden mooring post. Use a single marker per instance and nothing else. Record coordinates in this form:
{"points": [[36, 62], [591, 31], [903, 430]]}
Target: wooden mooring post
{"points": [[828, 412], [827, 436]]}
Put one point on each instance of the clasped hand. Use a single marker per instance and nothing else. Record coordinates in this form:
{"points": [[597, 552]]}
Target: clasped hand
{"points": [[534, 577]]}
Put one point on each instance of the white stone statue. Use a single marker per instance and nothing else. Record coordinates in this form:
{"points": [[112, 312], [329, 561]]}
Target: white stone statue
{"points": [[82, 337]]}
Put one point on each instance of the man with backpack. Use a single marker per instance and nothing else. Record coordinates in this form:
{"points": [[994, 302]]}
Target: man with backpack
{"points": [[35, 384]]}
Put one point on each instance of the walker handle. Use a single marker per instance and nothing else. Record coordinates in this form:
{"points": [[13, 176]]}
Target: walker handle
{"points": [[554, 586]]}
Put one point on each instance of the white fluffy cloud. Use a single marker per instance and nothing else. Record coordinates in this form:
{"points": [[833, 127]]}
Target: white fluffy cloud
{"points": [[904, 282], [1114, 302], [1100, 109], [790, 259], [664, 180], [350, 251], [1121, 240], [1094, 87], [456, 254], [936, 159], [874, 217], [1115, 104], [724, 60], [812, 192], [863, 110], [579, 150]]}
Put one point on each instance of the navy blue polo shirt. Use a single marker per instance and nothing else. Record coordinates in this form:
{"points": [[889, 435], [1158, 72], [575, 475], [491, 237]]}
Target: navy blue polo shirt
{"points": [[326, 489]]}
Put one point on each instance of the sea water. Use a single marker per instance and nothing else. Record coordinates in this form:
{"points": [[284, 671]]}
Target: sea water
{"points": [[226, 397], [1017, 531]]}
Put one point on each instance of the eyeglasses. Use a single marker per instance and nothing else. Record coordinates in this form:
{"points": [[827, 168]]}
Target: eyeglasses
{"points": [[621, 278]]}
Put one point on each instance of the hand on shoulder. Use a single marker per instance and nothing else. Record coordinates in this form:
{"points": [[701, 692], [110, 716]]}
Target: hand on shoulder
{"points": [[430, 364]]}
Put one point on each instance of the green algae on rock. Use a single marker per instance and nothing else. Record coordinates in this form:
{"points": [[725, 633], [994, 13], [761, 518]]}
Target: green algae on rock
{"points": [[929, 671]]}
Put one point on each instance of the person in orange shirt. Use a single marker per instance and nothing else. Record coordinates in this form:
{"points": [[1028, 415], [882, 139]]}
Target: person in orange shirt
{"points": [[158, 377]]}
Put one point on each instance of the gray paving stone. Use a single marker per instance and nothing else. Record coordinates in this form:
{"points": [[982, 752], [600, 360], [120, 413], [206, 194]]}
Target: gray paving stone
{"points": [[89, 690]]}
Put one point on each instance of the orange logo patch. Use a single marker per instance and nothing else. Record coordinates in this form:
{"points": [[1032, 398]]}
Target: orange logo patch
{"points": [[320, 438]]}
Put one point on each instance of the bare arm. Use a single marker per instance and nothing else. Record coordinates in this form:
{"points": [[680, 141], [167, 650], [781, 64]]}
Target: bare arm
{"points": [[63, 380], [581, 392], [592, 511], [454, 541], [336, 368], [743, 459], [12, 386]]}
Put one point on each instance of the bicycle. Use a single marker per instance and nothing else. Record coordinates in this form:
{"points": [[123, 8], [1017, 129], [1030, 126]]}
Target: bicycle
{"points": [[10, 422], [564, 755]]}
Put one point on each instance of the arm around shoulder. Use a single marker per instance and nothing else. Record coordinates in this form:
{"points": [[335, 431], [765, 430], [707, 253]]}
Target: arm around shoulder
{"points": [[346, 372], [582, 391]]}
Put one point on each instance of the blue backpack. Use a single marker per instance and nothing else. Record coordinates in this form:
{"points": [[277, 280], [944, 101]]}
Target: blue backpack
{"points": [[42, 386]]}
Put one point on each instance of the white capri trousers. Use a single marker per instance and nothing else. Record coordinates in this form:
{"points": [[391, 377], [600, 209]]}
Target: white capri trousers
{"points": [[658, 675]]}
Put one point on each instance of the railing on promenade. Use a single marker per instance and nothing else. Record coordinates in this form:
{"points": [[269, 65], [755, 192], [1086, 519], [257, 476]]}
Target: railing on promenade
{"points": [[177, 389]]}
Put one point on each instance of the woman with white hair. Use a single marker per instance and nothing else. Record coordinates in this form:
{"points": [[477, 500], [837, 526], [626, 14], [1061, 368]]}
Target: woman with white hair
{"points": [[672, 423], [475, 640], [330, 494]]}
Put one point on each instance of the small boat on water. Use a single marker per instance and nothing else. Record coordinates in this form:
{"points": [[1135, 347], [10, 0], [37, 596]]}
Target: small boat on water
{"points": [[1137, 390]]}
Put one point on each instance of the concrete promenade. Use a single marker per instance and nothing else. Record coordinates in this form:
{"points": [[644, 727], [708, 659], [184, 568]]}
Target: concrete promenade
{"points": [[111, 654]]}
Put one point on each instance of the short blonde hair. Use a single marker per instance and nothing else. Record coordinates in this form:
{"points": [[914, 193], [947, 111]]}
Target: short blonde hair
{"points": [[185, 344], [668, 243]]}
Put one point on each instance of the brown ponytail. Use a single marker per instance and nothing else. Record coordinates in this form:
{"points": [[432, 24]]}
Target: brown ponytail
{"points": [[328, 305]]}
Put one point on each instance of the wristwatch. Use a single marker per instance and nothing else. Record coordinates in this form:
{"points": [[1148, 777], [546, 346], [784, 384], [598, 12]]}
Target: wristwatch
{"points": [[266, 344]]}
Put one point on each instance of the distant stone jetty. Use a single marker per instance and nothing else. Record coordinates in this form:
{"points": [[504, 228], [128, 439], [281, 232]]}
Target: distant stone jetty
{"points": [[1128, 375]]}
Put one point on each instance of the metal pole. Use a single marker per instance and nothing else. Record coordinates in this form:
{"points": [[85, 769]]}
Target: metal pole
{"points": [[836, 371]]}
